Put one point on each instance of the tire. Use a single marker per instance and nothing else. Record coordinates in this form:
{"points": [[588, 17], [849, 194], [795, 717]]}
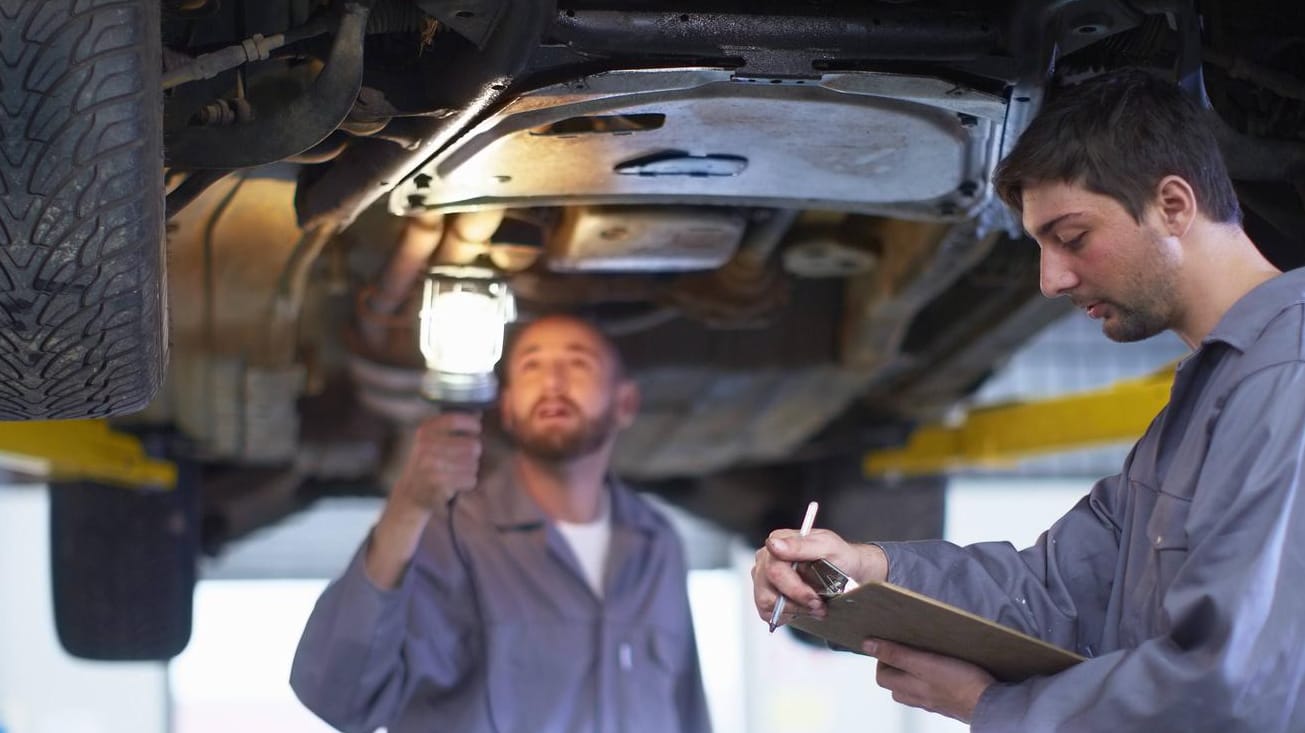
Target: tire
{"points": [[82, 307], [124, 565]]}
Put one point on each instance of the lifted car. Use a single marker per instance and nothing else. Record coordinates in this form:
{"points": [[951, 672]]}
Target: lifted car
{"points": [[782, 211]]}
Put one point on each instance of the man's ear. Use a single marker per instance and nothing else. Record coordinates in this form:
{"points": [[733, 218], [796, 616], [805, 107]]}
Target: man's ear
{"points": [[628, 399], [1177, 205]]}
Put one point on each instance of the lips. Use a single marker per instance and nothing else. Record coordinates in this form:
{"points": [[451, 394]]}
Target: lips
{"points": [[1093, 308], [554, 410]]}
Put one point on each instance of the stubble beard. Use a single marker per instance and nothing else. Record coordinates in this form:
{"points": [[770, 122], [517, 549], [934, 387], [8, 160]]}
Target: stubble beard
{"points": [[561, 444], [1151, 302], [1137, 322]]}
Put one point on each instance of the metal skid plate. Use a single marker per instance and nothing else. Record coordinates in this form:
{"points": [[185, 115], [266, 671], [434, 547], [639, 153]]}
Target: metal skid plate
{"points": [[916, 147], [636, 238]]}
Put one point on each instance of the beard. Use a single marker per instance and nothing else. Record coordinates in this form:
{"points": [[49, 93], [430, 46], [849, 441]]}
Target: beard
{"points": [[558, 444], [1149, 307], [1136, 322]]}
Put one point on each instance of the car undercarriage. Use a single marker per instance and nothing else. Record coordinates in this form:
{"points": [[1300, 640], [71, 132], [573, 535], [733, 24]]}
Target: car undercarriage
{"points": [[780, 211]]}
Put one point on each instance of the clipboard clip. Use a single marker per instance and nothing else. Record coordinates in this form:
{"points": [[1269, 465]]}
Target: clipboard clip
{"points": [[825, 578]]}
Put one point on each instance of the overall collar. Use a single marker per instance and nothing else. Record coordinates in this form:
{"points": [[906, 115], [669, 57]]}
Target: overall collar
{"points": [[1252, 313], [508, 506]]}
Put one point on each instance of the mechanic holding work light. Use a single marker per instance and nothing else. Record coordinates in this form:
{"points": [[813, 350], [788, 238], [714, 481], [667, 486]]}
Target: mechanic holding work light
{"points": [[1180, 578], [543, 597]]}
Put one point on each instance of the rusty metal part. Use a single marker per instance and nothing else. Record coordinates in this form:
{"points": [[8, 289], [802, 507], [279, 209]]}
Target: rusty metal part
{"points": [[420, 237], [386, 325], [644, 238], [467, 236], [293, 128], [918, 261], [747, 288]]}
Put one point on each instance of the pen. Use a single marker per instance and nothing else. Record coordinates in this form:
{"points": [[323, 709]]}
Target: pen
{"points": [[807, 521]]}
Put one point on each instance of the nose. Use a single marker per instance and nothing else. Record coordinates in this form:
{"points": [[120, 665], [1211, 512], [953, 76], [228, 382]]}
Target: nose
{"points": [[555, 377], [1054, 274]]}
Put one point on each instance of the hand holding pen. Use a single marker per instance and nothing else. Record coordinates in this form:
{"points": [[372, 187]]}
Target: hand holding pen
{"points": [[776, 583], [807, 522]]}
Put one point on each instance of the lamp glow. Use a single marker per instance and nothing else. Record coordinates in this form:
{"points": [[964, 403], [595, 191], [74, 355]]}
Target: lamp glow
{"points": [[463, 314]]}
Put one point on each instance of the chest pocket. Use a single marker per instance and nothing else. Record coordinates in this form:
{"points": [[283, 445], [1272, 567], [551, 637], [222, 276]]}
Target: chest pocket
{"points": [[1166, 532], [649, 668]]}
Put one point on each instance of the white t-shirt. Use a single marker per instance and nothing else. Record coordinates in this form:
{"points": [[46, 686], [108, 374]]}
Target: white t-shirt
{"points": [[589, 542]]}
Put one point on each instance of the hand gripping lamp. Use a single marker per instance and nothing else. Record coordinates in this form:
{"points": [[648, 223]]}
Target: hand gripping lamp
{"points": [[463, 314]]}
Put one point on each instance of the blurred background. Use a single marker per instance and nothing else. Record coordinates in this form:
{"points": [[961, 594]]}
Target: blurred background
{"points": [[252, 600]]}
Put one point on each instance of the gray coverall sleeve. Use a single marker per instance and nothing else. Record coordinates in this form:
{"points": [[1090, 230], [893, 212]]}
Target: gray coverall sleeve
{"points": [[1056, 590], [356, 658], [1232, 660]]}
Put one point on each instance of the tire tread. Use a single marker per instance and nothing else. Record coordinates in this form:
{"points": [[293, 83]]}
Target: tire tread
{"points": [[81, 217]]}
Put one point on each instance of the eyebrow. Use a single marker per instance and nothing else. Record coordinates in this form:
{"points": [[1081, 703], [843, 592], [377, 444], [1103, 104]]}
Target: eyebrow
{"points": [[574, 347], [1047, 227]]}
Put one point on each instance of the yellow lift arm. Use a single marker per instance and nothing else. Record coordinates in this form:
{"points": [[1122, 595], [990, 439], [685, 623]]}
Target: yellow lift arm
{"points": [[70, 450], [1001, 435]]}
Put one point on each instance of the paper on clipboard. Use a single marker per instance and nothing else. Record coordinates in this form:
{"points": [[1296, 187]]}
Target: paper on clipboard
{"points": [[891, 612]]}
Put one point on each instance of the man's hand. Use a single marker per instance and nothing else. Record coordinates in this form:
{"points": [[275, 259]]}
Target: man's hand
{"points": [[444, 460], [773, 574], [929, 681]]}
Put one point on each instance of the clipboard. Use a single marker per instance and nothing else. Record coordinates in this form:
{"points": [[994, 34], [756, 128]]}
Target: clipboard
{"points": [[894, 613]]}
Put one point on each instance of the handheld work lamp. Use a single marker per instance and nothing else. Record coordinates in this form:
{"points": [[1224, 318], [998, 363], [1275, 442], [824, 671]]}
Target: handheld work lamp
{"points": [[463, 314]]}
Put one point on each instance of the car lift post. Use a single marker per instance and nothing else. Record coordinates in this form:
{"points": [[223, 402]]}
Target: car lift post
{"points": [[1001, 435], [89, 450]]}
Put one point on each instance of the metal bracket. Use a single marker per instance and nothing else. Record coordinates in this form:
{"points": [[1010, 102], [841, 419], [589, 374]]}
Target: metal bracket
{"points": [[69, 450]]}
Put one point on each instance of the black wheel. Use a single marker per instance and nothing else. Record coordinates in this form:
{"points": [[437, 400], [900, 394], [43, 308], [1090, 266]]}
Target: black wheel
{"points": [[123, 565], [82, 318]]}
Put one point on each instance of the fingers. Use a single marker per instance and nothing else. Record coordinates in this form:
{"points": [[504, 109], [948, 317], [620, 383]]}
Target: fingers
{"points": [[902, 670], [926, 680], [791, 546], [908, 659], [451, 423], [906, 688], [444, 459], [771, 578], [773, 574]]}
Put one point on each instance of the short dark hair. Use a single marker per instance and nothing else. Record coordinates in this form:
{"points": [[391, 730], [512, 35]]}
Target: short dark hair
{"points": [[1118, 134], [515, 330]]}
